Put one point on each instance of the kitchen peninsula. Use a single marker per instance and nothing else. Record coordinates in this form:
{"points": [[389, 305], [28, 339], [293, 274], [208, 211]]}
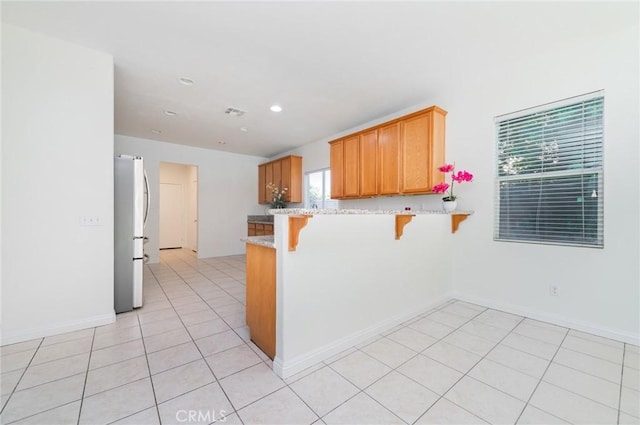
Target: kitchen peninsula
{"points": [[342, 276]]}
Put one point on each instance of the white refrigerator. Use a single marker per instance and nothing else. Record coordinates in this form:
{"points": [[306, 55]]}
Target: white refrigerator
{"points": [[131, 208]]}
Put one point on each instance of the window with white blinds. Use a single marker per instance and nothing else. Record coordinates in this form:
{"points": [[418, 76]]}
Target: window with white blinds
{"points": [[550, 174]]}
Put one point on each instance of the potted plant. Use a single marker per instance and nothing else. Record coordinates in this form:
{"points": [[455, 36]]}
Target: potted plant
{"points": [[278, 195], [449, 202]]}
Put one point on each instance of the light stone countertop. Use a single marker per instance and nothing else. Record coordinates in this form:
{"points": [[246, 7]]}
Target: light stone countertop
{"points": [[317, 211], [260, 240], [268, 241]]}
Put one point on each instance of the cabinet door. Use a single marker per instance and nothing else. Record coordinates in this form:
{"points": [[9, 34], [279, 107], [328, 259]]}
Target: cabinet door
{"points": [[352, 167], [268, 177], [337, 165], [277, 174], [262, 183], [295, 177], [437, 146], [285, 176], [389, 159], [369, 163], [414, 145]]}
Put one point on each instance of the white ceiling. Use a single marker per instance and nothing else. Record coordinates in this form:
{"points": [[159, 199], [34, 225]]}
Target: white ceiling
{"points": [[330, 65]]}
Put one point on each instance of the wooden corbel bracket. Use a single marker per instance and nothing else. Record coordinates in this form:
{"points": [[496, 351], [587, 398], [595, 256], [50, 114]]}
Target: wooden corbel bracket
{"points": [[401, 221], [456, 219], [296, 223]]}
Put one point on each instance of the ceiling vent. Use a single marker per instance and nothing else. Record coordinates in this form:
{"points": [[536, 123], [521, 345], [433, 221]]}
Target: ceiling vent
{"points": [[234, 111]]}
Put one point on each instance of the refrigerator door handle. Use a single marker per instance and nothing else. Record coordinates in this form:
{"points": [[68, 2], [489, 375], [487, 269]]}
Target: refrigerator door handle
{"points": [[146, 212]]}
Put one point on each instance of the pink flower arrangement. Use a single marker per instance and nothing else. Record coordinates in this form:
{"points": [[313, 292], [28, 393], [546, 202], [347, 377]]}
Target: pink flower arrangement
{"points": [[460, 177]]}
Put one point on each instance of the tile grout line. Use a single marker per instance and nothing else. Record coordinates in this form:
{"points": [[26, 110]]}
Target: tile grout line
{"points": [[198, 348], [6, 404], [56, 380], [541, 379], [441, 396], [266, 395], [363, 389], [205, 301], [86, 377], [183, 275], [144, 347], [624, 353], [356, 349], [560, 364], [406, 361]]}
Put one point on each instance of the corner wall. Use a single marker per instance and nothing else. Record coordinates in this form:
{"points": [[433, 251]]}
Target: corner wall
{"points": [[57, 166], [599, 289]]}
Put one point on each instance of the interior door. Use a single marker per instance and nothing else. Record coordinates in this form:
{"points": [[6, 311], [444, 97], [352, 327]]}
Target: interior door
{"points": [[171, 215]]}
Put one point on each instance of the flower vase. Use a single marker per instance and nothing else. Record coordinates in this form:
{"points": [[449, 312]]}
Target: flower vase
{"points": [[449, 206]]}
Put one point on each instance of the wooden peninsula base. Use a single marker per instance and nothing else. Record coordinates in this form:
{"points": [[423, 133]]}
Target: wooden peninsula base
{"points": [[261, 297]]}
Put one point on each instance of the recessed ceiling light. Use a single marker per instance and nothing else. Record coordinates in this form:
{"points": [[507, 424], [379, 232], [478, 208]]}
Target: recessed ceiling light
{"points": [[186, 81], [156, 131], [170, 113], [276, 108], [222, 142], [244, 129]]}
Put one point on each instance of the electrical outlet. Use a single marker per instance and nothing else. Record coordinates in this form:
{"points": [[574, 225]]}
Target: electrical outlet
{"points": [[553, 290], [90, 220]]}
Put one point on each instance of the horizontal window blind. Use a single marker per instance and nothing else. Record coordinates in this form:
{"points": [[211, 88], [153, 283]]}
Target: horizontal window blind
{"points": [[550, 174]]}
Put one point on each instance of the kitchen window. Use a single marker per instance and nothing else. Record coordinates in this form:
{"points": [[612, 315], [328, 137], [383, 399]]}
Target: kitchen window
{"points": [[549, 185], [317, 189]]}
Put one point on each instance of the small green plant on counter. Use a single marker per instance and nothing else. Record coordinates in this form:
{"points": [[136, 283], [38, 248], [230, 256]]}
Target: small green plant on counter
{"points": [[278, 195]]}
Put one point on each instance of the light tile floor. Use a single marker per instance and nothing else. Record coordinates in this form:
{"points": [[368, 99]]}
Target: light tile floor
{"points": [[185, 357]]}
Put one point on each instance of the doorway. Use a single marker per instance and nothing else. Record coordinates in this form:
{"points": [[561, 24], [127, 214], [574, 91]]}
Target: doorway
{"points": [[178, 198]]}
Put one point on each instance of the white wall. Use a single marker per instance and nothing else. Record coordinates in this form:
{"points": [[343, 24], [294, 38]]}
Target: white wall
{"points": [[350, 279], [57, 165], [599, 288], [227, 192]]}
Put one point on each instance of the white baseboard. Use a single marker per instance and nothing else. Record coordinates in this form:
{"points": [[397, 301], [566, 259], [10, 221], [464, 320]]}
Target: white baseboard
{"points": [[288, 368], [12, 337], [555, 319]]}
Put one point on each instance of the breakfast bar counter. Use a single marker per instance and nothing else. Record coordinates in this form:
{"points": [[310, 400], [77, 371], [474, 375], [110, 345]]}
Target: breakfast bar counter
{"points": [[350, 275]]}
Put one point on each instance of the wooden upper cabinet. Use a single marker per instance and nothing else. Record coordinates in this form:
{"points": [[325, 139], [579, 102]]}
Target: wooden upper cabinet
{"points": [[336, 158], [268, 177], [277, 174], [263, 198], [414, 149], [292, 177], [286, 172], [389, 159], [369, 163], [422, 150], [396, 157], [351, 168]]}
